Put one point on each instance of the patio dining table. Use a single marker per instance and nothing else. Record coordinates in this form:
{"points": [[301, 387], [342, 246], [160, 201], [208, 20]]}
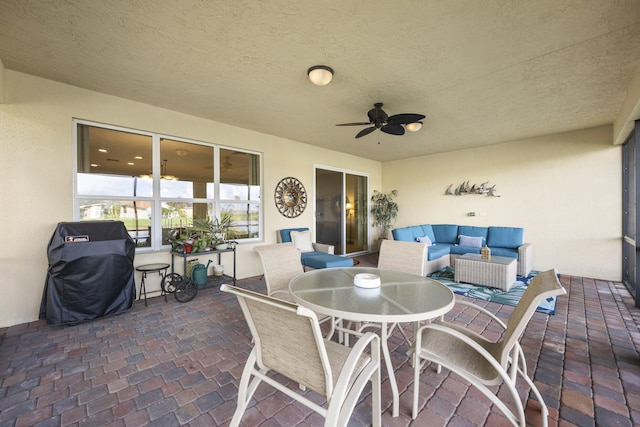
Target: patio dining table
{"points": [[400, 298]]}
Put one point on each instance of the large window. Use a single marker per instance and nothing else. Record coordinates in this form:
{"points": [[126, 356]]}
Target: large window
{"points": [[158, 185]]}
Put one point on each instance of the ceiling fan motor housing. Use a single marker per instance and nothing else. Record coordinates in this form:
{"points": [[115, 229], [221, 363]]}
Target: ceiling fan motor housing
{"points": [[377, 116]]}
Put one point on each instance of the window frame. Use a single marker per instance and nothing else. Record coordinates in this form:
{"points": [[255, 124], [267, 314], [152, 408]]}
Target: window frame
{"points": [[156, 199]]}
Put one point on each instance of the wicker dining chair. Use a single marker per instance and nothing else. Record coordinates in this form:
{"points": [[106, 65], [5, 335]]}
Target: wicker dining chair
{"points": [[287, 340], [482, 362], [409, 257]]}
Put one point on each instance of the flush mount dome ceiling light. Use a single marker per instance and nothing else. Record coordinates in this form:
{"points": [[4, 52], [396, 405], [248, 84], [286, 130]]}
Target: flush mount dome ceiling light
{"points": [[320, 75], [413, 127]]}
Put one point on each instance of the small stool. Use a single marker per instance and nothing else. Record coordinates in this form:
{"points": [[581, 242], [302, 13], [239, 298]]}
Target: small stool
{"points": [[160, 268]]}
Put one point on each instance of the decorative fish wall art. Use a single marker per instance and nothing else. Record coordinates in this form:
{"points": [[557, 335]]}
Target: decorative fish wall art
{"points": [[464, 189]]}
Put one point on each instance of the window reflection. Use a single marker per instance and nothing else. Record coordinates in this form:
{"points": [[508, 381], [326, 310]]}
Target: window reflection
{"points": [[239, 175], [136, 216], [118, 178], [186, 171], [246, 219], [177, 217]]}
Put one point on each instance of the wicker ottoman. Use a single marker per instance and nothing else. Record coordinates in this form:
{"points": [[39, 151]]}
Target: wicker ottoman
{"points": [[497, 272]]}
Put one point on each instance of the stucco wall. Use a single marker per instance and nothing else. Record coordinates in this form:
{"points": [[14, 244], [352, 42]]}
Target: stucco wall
{"points": [[37, 176], [564, 189]]}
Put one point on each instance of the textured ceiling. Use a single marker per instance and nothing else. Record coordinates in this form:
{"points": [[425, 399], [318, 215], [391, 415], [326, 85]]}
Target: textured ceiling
{"points": [[483, 72]]}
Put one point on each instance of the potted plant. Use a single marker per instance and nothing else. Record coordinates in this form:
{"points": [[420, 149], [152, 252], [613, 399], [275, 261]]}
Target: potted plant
{"points": [[215, 231], [384, 211]]}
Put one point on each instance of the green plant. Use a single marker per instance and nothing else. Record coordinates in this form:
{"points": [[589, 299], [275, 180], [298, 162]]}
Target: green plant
{"points": [[216, 230], [384, 211]]}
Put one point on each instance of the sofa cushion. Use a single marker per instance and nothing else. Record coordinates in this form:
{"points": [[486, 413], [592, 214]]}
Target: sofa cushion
{"points": [[438, 250], [302, 240], [427, 230], [407, 234], [322, 260], [461, 250], [285, 234], [425, 239], [474, 231], [402, 234], [445, 233], [507, 252], [306, 255], [471, 241], [505, 237], [416, 231]]}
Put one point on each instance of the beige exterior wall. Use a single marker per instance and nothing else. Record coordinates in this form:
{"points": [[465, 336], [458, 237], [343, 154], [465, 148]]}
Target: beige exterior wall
{"points": [[37, 176], [564, 189]]}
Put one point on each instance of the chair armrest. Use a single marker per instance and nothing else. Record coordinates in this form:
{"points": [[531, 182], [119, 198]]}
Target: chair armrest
{"points": [[353, 364], [525, 259], [321, 247], [465, 339], [482, 310]]}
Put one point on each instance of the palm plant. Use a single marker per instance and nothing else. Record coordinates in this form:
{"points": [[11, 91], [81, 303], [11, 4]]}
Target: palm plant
{"points": [[384, 211], [214, 231]]}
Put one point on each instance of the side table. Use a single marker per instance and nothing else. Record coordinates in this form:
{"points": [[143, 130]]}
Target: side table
{"points": [[160, 268]]}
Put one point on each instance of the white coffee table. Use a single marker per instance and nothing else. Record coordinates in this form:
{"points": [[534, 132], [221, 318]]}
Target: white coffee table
{"points": [[496, 272]]}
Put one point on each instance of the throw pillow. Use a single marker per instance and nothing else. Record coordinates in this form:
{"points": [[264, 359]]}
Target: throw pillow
{"points": [[470, 241], [425, 239], [302, 240]]}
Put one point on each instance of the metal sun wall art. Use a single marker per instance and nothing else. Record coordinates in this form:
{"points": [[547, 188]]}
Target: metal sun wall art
{"points": [[464, 189], [290, 197]]}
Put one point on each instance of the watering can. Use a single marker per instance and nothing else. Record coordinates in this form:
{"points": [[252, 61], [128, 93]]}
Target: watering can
{"points": [[199, 273]]}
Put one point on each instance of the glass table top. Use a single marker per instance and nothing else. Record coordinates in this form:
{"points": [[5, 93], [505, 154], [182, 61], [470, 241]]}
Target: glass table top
{"points": [[401, 297]]}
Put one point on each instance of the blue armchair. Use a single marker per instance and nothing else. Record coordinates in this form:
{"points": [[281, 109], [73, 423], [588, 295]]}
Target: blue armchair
{"points": [[314, 255]]}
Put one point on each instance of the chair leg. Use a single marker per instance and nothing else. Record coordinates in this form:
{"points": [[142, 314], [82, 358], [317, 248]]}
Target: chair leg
{"points": [[416, 384], [543, 406], [245, 389], [376, 395]]}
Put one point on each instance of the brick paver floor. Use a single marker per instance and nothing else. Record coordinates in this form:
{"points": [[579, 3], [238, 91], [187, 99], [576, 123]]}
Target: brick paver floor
{"points": [[173, 364]]}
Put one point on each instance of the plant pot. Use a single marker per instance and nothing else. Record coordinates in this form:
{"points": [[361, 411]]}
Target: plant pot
{"points": [[218, 270]]}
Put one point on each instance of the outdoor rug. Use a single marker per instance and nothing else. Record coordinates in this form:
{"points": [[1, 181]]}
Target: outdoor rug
{"points": [[510, 297]]}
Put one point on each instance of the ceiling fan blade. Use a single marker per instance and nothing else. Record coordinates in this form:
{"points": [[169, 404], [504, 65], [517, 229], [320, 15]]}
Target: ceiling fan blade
{"points": [[393, 129], [366, 131], [403, 119], [354, 124]]}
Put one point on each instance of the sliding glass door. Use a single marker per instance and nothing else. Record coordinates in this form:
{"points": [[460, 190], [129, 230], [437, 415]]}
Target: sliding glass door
{"points": [[341, 210], [356, 213]]}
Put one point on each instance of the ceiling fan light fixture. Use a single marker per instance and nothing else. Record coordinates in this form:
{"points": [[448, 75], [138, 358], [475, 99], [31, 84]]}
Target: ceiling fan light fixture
{"points": [[320, 75], [413, 127]]}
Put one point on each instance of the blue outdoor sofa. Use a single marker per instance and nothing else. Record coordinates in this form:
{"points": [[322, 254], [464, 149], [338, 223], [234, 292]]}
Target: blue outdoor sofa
{"points": [[446, 242]]}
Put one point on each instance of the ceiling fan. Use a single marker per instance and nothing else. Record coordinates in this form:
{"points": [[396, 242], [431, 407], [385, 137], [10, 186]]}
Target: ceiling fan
{"points": [[388, 124]]}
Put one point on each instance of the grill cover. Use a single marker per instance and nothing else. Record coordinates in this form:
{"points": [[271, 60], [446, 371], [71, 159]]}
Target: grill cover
{"points": [[90, 273]]}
